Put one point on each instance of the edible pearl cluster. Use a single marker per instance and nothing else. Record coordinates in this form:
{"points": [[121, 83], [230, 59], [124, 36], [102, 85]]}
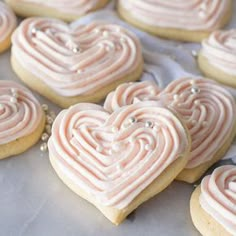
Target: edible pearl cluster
{"points": [[50, 117], [15, 95]]}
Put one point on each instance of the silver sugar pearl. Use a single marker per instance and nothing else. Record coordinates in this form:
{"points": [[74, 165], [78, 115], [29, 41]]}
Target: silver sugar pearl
{"points": [[35, 30], [13, 90], [43, 147], [48, 129], [13, 100], [202, 14], [105, 33], [49, 120], [75, 49], [52, 114], [148, 124], [132, 120], [195, 90], [119, 167], [44, 137], [176, 97], [194, 53], [45, 107], [97, 31]]}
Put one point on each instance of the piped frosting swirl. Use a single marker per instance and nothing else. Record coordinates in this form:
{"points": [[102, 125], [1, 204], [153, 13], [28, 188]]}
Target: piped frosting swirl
{"points": [[76, 60], [20, 112], [218, 196], [190, 15], [209, 111], [129, 93], [220, 50], [114, 157], [7, 21], [207, 108]]}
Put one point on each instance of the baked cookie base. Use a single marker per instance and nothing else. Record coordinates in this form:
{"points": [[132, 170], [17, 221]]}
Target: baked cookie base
{"points": [[205, 224], [192, 175], [116, 216], [39, 86], [172, 33], [30, 9], [22, 144], [5, 44], [215, 73]]}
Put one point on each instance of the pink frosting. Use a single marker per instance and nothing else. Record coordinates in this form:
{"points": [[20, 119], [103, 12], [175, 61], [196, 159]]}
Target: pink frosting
{"points": [[114, 157], [129, 93], [218, 196], [220, 50], [75, 60], [209, 112], [79, 8], [7, 21], [20, 112], [180, 14]]}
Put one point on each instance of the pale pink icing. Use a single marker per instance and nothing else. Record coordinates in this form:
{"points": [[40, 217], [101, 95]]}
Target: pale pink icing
{"points": [[20, 112], [129, 93], [218, 196], [107, 53], [78, 8], [181, 14], [7, 21], [110, 158], [209, 114], [220, 50]]}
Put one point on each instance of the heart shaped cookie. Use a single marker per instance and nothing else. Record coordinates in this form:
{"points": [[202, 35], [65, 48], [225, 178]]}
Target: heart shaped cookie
{"points": [[190, 20], [118, 160], [207, 108], [7, 25], [67, 10], [217, 58], [70, 63], [21, 119]]}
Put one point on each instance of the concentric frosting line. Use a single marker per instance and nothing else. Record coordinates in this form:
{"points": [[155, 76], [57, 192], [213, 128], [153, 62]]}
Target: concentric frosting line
{"points": [[100, 54], [191, 15], [220, 50], [73, 7], [115, 159], [209, 111], [7, 21], [218, 196], [129, 93], [20, 112]]}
